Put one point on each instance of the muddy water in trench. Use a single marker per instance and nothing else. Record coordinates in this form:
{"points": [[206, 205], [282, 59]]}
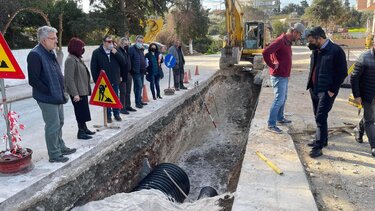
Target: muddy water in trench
{"points": [[210, 156]]}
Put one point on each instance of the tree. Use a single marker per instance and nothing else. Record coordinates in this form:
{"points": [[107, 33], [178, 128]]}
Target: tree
{"points": [[279, 28], [325, 12], [191, 21], [299, 9]]}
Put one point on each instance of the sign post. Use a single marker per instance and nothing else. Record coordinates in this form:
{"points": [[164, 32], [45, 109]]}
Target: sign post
{"points": [[170, 62], [9, 68], [104, 95]]}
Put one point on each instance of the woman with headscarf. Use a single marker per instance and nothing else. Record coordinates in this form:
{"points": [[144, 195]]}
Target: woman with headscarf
{"points": [[154, 71], [77, 85]]}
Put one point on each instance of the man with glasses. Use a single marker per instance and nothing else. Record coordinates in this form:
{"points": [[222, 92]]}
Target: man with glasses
{"points": [[278, 57], [328, 71], [47, 81], [107, 58]]}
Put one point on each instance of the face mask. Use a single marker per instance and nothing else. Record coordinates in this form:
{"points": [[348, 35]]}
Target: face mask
{"points": [[153, 49], [110, 47], [313, 46], [138, 45]]}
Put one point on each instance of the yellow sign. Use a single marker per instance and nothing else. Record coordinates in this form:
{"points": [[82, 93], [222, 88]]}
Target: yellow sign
{"points": [[9, 67], [103, 94]]}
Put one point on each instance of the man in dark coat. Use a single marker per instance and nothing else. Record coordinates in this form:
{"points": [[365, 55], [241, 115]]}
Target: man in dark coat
{"points": [[126, 84], [363, 87], [107, 58], [48, 90], [138, 70], [328, 71]]}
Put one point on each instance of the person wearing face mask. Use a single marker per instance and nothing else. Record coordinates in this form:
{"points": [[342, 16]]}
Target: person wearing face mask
{"points": [[278, 57], [328, 71], [77, 84], [47, 81], [153, 68], [138, 69], [363, 88], [126, 84], [107, 58]]}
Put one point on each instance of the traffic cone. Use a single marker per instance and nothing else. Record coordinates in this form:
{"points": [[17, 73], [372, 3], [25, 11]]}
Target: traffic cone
{"points": [[144, 94], [189, 75], [196, 70], [186, 80]]}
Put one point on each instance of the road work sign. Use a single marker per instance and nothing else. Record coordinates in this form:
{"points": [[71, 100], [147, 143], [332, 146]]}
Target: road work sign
{"points": [[9, 67], [170, 61], [103, 94]]}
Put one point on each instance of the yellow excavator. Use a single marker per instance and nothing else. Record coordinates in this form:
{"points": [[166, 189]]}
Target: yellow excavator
{"points": [[153, 27], [244, 40]]}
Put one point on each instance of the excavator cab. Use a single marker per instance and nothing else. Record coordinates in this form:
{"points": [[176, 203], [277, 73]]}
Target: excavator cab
{"points": [[253, 42]]}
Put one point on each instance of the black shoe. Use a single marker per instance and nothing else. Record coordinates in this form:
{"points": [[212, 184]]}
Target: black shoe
{"points": [[154, 98], [60, 159], [373, 152], [118, 118], [87, 131], [143, 103], [68, 151], [130, 109], [160, 97], [123, 111], [284, 121], [139, 106], [316, 152], [109, 120], [313, 144], [82, 135], [177, 89], [183, 87]]}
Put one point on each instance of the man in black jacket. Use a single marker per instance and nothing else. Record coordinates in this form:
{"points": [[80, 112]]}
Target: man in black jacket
{"points": [[126, 84], [327, 72], [363, 87], [107, 58]]}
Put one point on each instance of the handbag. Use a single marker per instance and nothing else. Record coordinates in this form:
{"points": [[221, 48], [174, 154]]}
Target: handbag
{"points": [[148, 77], [161, 73]]}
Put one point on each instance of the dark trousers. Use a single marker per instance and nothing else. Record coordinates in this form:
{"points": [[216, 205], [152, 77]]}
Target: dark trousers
{"points": [[137, 79], [154, 84], [116, 111], [178, 76], [81, 109], [129, 83], [361, 127], [322, 104], [369, 121]]}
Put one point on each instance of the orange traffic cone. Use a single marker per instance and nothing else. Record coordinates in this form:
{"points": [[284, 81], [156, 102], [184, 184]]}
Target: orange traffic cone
{"points": [[189, 75], [186, 80], [144, 94], [196, 70]]}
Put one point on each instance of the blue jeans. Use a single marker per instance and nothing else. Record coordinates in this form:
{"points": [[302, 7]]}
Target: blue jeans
{"points": [[154, 84], [137, 79], [280, 89], [116, 111]]}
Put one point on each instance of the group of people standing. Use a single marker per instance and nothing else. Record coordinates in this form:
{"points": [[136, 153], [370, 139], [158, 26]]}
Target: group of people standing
{"points": [[125, 66], [328, 70]]}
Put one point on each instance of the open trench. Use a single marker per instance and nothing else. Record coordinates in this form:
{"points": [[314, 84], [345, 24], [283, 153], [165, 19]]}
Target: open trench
{"points": [[181, 133]]}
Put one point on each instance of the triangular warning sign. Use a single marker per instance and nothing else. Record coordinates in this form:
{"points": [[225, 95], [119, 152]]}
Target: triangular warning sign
{"points": [[9, 67], [103, 94]]}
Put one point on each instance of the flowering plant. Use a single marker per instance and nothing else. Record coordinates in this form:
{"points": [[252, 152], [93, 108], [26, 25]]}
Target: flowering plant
{"points": [[14, 136]]}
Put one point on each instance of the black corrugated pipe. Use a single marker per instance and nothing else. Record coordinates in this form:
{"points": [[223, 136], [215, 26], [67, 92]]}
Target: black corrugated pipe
{"points": [[159, 180]]}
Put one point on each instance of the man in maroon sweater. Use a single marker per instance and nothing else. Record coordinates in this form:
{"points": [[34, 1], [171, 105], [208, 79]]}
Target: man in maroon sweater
{"points": [[278, 57]]}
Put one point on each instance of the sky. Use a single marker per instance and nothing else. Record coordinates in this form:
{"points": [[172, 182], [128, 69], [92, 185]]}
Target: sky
{"points": [[215, 4]]}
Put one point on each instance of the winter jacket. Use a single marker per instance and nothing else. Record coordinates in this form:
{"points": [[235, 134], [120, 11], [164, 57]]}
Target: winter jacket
{"points": [[363, 77], [174, 51], [138, 61], [127, 66], [112, 66], [330, 66], [77, 77], [45, 76]]}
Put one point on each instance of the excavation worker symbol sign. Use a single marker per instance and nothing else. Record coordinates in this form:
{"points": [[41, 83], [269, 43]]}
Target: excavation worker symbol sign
{"points": [[103, 94], [170, 61], [9, 67]]}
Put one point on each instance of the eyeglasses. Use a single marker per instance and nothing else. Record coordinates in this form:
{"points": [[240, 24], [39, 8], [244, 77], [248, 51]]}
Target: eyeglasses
{"points": [[109, 41], [52, 38]]}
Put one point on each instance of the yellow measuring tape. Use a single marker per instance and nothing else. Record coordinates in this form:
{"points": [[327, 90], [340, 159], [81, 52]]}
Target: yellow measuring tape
{"points": [[269, 163]]}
